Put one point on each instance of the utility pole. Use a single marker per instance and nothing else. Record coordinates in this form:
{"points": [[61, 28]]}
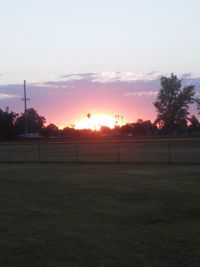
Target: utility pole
{"points": [[25, 99]]}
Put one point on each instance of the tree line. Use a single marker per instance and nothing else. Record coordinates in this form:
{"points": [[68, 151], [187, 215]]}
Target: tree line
{"points": [[172, 106]]}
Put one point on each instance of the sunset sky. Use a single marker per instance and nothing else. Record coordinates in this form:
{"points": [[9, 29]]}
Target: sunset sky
{"points": [[103, 57]]}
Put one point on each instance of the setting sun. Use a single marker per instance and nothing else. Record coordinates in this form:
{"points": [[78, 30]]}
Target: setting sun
{"points": [[95, 122]]}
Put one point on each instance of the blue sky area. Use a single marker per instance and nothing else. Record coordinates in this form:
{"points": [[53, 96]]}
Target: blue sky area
{"points": [[97, 56], [44, 39]]}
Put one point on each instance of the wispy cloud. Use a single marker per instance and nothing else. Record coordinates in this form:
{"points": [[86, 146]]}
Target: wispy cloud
{"points": [[77, 94], [80, 76], [141, 93], [111, 76], [49, 84], [4, 96]]}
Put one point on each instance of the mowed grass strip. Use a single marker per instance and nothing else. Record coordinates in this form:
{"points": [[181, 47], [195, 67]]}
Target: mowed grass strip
{"points": [[99, 215]]}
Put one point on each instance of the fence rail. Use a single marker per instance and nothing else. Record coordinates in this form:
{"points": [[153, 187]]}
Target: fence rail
{"points": [[130, 152]]}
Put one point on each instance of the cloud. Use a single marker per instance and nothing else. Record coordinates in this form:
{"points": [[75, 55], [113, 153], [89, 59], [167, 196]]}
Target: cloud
{"points": [[186, 76], [127, 92], [50, 84], [127, 84], [141, 93], [111, 76], [4, 96], [79, 76]]}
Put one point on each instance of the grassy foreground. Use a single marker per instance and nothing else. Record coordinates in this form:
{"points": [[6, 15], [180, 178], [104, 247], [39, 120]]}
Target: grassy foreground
{"points": [[99, 215]]}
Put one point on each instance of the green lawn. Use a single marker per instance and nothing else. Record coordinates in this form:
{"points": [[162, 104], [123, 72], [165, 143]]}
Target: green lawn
{"points": [[99, 215]]}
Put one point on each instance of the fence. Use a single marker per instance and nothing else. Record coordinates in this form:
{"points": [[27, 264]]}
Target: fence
{"points": [[123, 152]]}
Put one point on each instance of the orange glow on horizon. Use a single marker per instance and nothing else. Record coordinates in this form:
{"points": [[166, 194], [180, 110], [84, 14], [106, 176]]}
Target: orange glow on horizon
{"points": [[95, 122]]}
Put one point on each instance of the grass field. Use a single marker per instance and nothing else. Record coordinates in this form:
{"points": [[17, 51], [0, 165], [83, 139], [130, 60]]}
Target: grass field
{"points": [[99, 215]]}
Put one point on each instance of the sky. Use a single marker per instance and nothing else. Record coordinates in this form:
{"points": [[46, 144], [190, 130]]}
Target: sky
{"points": [[45, 41]]}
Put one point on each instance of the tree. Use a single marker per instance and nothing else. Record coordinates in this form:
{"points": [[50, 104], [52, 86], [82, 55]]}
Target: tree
{"points": [[172, 104], [50, 130], [198, 105], [88, 115], [105, 130], [7, 120], [35, 122], [144, 127], [140, 127], [194, 124]]}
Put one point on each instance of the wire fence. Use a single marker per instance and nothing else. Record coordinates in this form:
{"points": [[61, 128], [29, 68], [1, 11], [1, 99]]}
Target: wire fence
{"points": [[130, 152]]}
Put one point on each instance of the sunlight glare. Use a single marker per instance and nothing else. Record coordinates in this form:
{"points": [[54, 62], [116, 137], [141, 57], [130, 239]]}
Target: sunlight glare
{"points": [[95, 122]]}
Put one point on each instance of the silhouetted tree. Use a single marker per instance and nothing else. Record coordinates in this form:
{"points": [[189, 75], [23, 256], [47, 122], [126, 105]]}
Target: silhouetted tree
{"points": [[105, 130], [172, 104], [7, 120], [194, 124], [69, 132], [144, 127], [50, 130], [35, 122], [127, 128], [198, 104], [140, 127]]}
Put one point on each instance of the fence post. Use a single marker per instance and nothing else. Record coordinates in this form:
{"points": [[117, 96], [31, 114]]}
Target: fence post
{"points": [[169, 154], [118, 153], [39, 153]]}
